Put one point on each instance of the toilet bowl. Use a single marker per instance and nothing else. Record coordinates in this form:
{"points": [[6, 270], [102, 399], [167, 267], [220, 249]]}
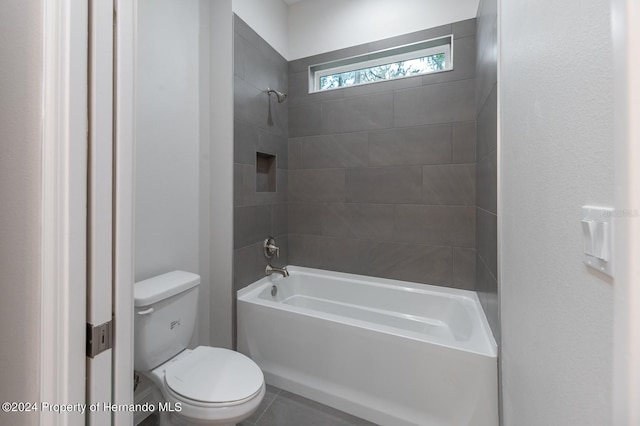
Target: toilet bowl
{"points": [[210, 386], [206, 385]]}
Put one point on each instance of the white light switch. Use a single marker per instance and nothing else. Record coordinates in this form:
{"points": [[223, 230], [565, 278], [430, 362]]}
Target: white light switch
{"points": [[588, 229], [597, 232]]}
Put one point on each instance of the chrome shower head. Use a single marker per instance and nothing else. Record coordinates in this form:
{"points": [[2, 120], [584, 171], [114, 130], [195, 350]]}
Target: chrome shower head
{"points": [[279, 95]]}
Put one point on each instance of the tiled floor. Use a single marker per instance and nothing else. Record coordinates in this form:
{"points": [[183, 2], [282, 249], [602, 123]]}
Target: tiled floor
{"points": [[282, 408]]}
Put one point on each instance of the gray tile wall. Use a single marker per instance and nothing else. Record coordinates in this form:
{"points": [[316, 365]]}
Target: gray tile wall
{"points": [[258, 214], [382, 177], [486, 165]]}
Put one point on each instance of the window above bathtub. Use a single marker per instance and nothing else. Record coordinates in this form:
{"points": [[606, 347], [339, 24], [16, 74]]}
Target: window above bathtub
{"points": [[424, 57]]}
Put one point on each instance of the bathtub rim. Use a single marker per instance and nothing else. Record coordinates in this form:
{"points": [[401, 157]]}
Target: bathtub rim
{"points": [[250, 293]]}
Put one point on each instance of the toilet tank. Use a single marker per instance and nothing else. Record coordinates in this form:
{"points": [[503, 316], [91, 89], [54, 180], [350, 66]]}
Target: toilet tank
{"points": [[165, 317]]}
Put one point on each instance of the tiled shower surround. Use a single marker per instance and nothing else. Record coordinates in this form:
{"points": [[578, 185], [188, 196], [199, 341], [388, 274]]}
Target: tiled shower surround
{"points": [[378, 179], [257, 215], [486, 200], [382, 176]]}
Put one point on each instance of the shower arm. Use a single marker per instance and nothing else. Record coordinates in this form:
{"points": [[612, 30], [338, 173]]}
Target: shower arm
{"points": [[279, 95]]}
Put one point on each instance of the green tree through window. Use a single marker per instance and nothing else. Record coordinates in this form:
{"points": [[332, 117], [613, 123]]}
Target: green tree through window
{"points": [[400, 69]]}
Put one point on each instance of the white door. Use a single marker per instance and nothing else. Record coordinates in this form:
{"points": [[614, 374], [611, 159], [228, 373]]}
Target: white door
{"points": [[123, 201], [100, 213], [109, 369], [64, 211], [87, 229]]}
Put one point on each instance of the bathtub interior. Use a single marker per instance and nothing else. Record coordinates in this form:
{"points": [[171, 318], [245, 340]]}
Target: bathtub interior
{"points": [[436, 314]]}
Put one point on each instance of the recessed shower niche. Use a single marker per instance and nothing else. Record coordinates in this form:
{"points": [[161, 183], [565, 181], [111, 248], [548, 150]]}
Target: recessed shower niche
{"points": [[265, 172]]}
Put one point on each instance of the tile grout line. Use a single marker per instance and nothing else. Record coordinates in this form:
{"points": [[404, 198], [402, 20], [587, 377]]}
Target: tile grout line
{"points": [[268, 406]]}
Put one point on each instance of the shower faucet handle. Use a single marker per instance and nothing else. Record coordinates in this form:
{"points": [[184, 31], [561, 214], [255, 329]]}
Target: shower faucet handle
{"points": [[270, 248]]}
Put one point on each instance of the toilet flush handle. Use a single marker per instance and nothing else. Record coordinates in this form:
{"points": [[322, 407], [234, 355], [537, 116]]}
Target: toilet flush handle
{"points": [[145, 312]]}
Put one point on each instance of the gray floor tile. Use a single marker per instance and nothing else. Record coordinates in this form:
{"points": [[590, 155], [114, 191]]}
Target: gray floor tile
{"points": [[292, 410], [269, 397], [152, 420]]}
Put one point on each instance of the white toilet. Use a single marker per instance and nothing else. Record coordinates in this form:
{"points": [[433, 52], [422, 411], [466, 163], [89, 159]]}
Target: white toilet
{"points": [[213, 386]]}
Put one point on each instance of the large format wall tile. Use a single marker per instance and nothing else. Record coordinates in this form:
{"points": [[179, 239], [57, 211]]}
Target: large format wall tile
{"points": [[337, 254], [464, 142], [437, 103], [381, 86], [487, 289], [464, 268], [486, 155], [487, 126], [487, 179], [449, 184], [279, 219], [248, 263], [464, 28], [296, 246], [382, 176], [245, 192], [417, 263], [337, 150], [414, 145], [245, 144], [317, 185], [389, 185], [358, 113], [249, 104], [362, 221], [358, 221], [274, 144], [260, 125], [303, 64], [251, 224], [487, 68], [426, 34], [487, 236], [452, 226], [306, 218], [305, 120]]}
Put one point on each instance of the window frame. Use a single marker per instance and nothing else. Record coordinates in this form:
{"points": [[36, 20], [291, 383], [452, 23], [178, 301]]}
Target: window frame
{"points": [[383, 57]]}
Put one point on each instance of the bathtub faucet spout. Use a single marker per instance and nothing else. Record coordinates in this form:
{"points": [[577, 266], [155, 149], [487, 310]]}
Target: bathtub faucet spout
{"points": [[271, 270]]}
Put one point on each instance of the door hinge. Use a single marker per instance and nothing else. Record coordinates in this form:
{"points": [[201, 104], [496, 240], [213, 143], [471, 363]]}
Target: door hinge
{"points": [[99, 338]]}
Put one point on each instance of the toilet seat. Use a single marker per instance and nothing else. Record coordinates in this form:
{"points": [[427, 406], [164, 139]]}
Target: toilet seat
{"points": [[214, 377]]}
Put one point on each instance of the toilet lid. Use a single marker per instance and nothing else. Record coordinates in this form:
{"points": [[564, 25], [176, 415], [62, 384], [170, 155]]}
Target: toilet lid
{"points": [[214, 375]]}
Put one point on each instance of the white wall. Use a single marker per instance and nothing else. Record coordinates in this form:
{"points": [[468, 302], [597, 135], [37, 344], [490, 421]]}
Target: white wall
{"points": [[204, 225], [556, 154], [184, 152], [167, 137], [311, 27], [21, 73], [268, 18], [626, 41], [318, 26], [221, 176]]}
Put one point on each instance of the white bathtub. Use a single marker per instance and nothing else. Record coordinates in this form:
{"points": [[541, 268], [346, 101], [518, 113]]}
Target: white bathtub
{"points": [[392, 352]]}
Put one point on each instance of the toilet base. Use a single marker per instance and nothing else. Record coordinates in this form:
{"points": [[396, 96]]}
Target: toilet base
{"points": [[170, 419]]}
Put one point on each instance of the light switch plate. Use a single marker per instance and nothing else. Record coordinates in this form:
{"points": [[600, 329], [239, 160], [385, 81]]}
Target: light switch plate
{"points": [[597, 238]]}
